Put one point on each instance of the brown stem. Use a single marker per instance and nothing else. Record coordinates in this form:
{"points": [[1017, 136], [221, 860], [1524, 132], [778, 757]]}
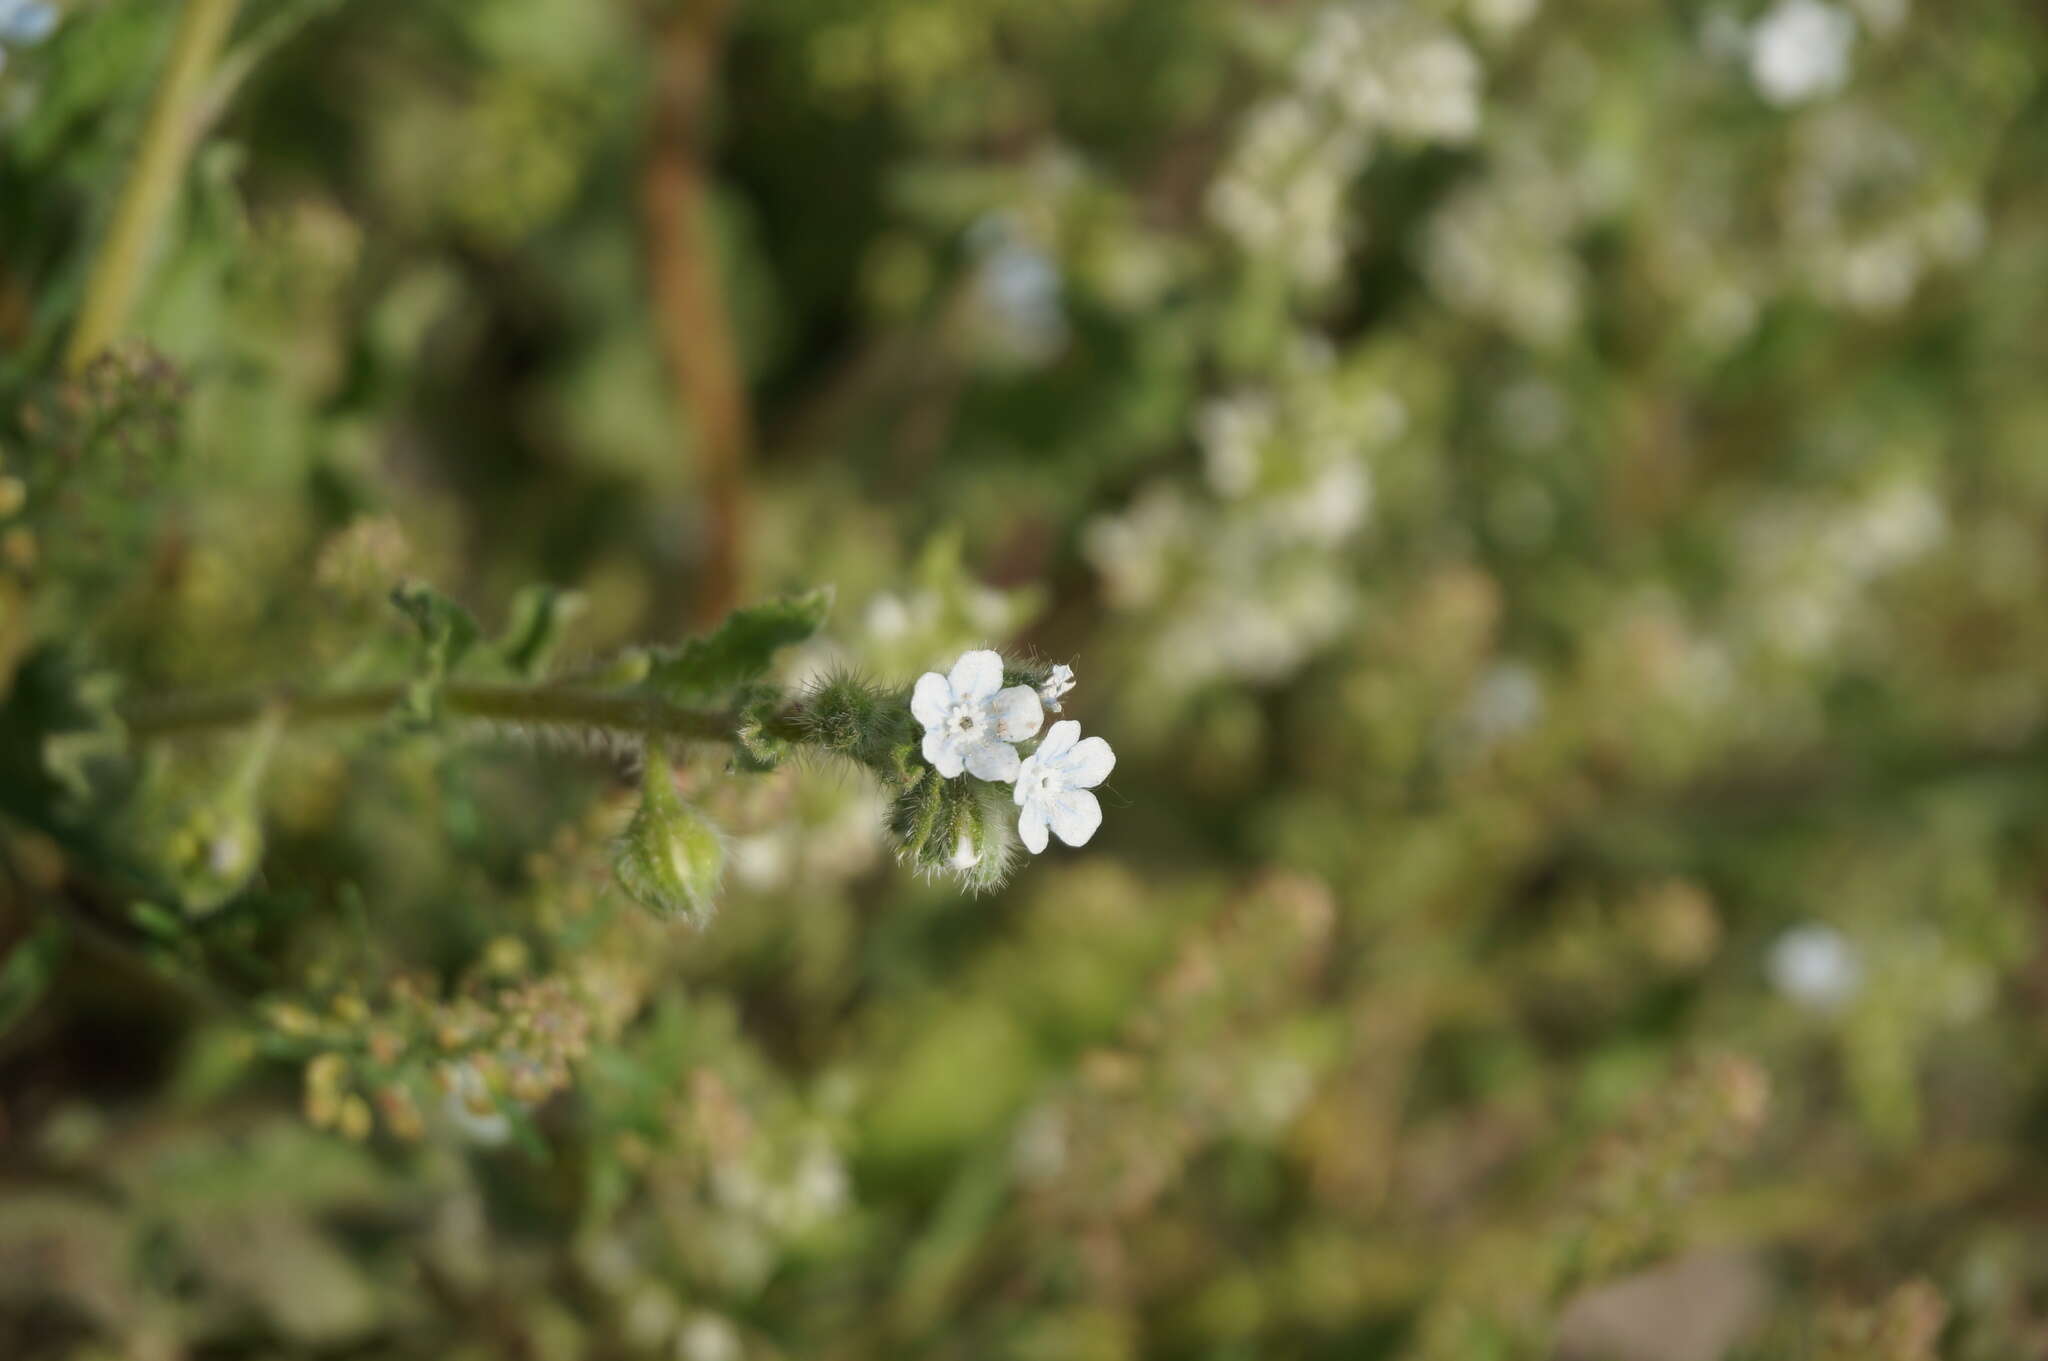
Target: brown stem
{"points": [[689, 303]]}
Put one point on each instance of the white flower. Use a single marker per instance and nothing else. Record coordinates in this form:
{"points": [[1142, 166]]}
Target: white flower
{"points": [[1053, 786], [970, 720], [1800, 50], [472, 1109], [1815, 966], [1057, 684]]}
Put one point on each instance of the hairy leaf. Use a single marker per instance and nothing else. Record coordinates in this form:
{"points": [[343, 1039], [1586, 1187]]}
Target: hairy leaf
{"points": [[706, 670]]}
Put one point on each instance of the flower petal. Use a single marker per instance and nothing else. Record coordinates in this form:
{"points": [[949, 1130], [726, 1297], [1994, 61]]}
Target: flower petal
{"points": [[1024, 775], [1017, 713], [1075, 816], [1058, 739], [977, 675], [1088, 763], [1031, 826], [992, 761], [941, 754], [930, 700]]}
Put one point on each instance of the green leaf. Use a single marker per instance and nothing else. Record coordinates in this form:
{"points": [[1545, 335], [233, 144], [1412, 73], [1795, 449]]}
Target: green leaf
{"points": [[539, 614], [162, 924], [447, 633], [706, 670], [56, 727], [758, 749], [28, 971]]}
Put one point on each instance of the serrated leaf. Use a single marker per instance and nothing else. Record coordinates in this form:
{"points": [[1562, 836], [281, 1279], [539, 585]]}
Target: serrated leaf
{"points": [[706, 670]]}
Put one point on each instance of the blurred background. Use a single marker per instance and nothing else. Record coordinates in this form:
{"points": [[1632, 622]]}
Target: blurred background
{"points": [[1547, 499]]}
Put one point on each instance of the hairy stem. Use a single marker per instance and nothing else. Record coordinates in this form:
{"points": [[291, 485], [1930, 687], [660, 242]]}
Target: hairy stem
{"points": [[630, 715], [689, 303], [175, 118]]}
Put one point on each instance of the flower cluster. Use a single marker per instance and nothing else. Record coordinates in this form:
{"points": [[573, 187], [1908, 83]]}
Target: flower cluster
{"points": [[1243, 578], [973, 723], [1363, 73]]}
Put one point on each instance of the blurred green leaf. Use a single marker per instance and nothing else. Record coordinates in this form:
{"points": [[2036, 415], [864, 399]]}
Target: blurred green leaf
{"points": [[29, 969], [707, 670]]}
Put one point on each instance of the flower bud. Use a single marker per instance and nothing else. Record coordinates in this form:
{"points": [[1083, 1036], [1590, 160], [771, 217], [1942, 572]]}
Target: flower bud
{"points": [[961, 828], [207, 843], [671, 858], [213, 853], [849, 717]]}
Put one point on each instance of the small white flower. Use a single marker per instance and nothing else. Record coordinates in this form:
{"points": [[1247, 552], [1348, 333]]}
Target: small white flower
{"points": [[1052, 787], [1815, 966], [1057, 684], [970, 720], [1800, 50]]}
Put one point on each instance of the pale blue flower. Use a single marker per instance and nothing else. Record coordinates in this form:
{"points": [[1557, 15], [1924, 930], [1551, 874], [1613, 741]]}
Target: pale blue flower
{"points": [[24, 23]]}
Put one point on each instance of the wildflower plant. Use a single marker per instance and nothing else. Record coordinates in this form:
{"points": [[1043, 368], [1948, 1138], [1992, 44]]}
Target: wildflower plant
{"points": [[579, 582]]}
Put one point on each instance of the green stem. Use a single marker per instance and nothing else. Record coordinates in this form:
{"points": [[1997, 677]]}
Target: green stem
{"points": [[631, 715], [167, 141]]}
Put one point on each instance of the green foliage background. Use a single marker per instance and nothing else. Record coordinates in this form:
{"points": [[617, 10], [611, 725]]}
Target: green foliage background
{"points": [[1555, 532]]}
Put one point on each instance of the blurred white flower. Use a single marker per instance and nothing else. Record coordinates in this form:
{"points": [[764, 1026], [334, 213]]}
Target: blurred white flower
{"points": [[1498, 18], [707, 1337], [1136, 551], [1893, 526], [1800, 50], [472, 1109], [1389, 68], [1332, 505], [1039, 1150], [1233, 431], [1272, 1090], [970, 720], [889, 617], [24, 23], [1283, 188], [1507, 700], [818, 1187], [1017, 290], [760, 861], [1503, 248], [1815, 966], [1053, 785], [1056, 685]]}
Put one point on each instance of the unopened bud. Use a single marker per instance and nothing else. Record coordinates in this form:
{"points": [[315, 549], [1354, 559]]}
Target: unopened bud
{"points": [[671, 858], [208, 842], [962, 828]]}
